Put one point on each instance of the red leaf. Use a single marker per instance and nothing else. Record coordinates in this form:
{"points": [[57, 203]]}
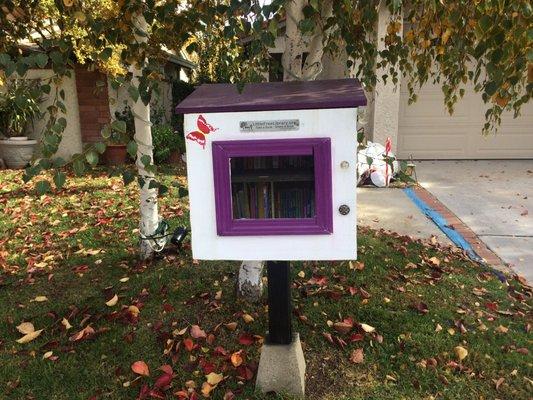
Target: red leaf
{"points": [[492, 306], [144, 392], [357, 337], [246, 339], [167, 369], [156, 394], [189, 344], [244, 372], [140, 367], [163, 381]]}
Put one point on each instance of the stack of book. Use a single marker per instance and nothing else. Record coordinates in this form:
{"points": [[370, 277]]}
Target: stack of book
{"points": [[273, 187]]}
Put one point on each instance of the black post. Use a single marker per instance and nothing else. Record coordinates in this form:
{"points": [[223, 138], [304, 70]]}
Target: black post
{"points": [[279, 302]]}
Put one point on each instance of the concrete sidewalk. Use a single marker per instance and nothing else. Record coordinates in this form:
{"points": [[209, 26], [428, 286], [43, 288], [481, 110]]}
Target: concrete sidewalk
{"points": [[493, 198], [392, 210]]}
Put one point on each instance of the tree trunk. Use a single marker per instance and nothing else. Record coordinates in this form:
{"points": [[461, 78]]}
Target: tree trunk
{"points": [[249, 281], [143, 137], [294, 44], [314, 64]]}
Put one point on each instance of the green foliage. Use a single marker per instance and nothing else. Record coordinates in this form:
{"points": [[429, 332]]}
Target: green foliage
{"points": [[123, 127], [19, 106], [165, 141]]}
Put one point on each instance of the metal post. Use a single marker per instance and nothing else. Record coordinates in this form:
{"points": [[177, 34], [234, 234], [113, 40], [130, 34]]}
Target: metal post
{"points": [[279, 302]]}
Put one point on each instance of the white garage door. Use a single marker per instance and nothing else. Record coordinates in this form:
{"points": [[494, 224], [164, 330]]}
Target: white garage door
{"points": [[427, 131]]}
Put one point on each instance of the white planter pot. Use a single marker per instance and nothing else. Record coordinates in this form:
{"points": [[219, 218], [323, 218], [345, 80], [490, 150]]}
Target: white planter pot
{"points": [[17, 151]]}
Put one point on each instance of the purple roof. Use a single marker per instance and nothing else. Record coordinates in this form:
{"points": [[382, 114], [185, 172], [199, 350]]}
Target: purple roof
{"points": [[296, 95]]}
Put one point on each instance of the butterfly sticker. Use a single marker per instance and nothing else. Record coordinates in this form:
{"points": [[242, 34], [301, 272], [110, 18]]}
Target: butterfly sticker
{"points": [[203, 129]]}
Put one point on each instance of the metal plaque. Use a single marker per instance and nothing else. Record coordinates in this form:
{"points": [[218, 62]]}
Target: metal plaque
{"points": [[270, 125]]}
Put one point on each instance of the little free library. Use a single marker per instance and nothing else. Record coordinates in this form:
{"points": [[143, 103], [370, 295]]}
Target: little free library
{"points": [[272, 177]]}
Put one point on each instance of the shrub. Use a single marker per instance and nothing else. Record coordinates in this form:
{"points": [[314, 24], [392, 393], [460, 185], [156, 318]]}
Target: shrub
{"points": [[166, 140]]}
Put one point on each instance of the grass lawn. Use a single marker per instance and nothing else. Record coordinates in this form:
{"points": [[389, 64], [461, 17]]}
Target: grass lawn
{"points": [[62, 257]]}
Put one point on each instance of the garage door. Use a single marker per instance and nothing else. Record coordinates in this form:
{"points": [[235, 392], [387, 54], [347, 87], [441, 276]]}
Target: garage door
{"points": [[427, 131]]}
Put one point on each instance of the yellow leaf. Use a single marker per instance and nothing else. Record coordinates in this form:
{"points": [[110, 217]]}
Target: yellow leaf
{"points": [[206, 389], [25, 328], [29, 337], [40, 299], [214, 379], [247, 318], [112, 302], [502, 329], [461, 352], [48, 354], [438, 328], [68, 3], [125, 279], [301, 274], [368, 328], [134, 310], [66, 324]]}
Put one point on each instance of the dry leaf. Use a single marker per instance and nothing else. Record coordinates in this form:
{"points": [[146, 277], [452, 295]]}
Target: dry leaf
{"points": [[231, 326], [134, 310], [125, 279], [48, 354], [357, 356], [40, 299], [368, 328], [236, 358], [29, 337], [206, 389], [438, 328], [502, 329], [342, 327], [66, 324], [25, 328], [460, 352], [214, 379], [112, 302], [301, 274], [197, 332], [140, 367], [247, 318]]}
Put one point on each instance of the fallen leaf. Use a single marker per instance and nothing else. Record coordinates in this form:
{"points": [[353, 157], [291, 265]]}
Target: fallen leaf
{"points": [[66, 324], [134, 310], [214, 379], [438, 328], [206, 389], [301, 274], [48, 354], [197, 332], [246, 339], [112, 302], [231, 326], [368, 328], [140, 368], [25, 328], [501, 329], [40, 299], [125, 279], [247, 318], [189, 344], [29, 336], [342, 327], [460, 352], [236, 358], [357, 356], [498, 382], [434, 261]]}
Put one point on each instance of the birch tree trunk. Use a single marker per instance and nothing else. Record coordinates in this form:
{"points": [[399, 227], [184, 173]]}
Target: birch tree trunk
{"points": [[291, 59], [149, 216], [313, 64]]}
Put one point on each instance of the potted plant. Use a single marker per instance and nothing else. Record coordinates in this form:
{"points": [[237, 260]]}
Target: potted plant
{"points": [[116, 149], [19, 106], [168, 144]]}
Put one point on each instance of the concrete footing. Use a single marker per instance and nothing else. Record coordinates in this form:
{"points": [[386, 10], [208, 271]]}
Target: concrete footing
{"points": [[282, 368]]}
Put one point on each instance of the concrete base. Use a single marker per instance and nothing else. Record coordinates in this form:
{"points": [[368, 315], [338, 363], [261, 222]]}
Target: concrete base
{"points": [[282, 369]]}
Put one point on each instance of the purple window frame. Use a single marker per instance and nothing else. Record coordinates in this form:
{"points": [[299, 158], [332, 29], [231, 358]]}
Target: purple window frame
{"points": [[321, 224]]}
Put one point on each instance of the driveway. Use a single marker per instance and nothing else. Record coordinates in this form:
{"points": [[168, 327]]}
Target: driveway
{"points": [[493, 198]]}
